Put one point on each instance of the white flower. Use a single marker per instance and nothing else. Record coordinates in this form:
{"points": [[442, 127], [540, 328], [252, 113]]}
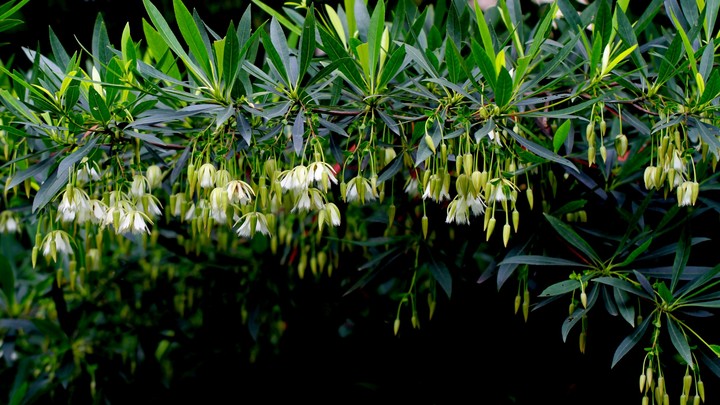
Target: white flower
{"points": [[360, 189], [150, 205], [253, 222], [139, 185], [206, 175], [219, 205], [295, 179], [309, 199], [501, 190], [8, 223], [176, 207], [322, 173], [87, 173], [678, 163], [98, 211], [154, 176], [411, 187], [334, 212], [134, 221], [239, 192], [458, 211], [56, 242], [73, 200], [222, 178]]}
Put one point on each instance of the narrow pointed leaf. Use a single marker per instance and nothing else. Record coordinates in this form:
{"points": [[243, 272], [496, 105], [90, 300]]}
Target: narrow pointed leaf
{"points": [[541, 151], [631, 341], [679, 340]]}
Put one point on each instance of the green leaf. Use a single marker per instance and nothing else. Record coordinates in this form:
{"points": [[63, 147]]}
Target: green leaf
{"points": [[307, 44], [541, 151], [602, 24], [629, 342], [623, 285], [700, 282], [77, 155], [711, 12], [573, 238], [127, 46], [453, 61], [560, 288], [686, 42], [231, 57], [682, 254], [391, 169], [715, 349], [668, 65], [394, 65], [298, 133], [664, 292], [504, 88], [32, 171], [708, 133], [712, 88], [374, 39], [277, 49], [345, 63], [625, 305], [484, 63], [679, 340], [484, 33], [576, 316], [540, 261], [98, 108], [441, 274], [101, 44], [279, 16], [561, 135], [635, 253], [166, 33]]}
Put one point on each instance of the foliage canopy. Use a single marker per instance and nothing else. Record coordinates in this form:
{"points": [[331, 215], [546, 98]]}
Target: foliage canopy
{"points": [[440, 141]]}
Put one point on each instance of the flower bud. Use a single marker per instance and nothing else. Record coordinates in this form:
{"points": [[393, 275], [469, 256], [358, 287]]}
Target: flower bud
{"points": [[687, 384], [649, 177], [603, 153], [430, 143], [516, 219], [396, 326], [35, 251], [666, 399], [468, 163], [590, 134], [696, 400], [443, 151], [603, 128], [591, 155], [154, 176], [649, 374], [701, 390], [646, 401], [506, 234], [583, 299], [621, 144], [424, 222], [490, 228], [571, 309], [518, 301], [583, 341], [530, 198], [642, 383]]}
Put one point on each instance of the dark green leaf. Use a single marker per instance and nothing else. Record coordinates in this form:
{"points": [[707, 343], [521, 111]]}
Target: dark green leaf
{"points": [[679, 340], [623, 285], [560, 135], [629, 342], [298, 132], [560, 288], [540, 261], [441, 274], [573, 238], [635, 253], [32, 171], [307, 43], [712, 88], [541, 151], [682, 254], [503, 88], [625, 305], [391, 169], [77, 155], [484, 63], [395, 64], [231, 56], [374, 38], [191, 34]]}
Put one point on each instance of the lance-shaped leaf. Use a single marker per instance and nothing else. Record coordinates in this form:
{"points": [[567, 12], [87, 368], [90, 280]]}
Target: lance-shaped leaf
{"points": [[374, 39], [298, 132], [541, 151], [540, 261], [629, 342], [679, 340], [307, 44], [573, 238]]}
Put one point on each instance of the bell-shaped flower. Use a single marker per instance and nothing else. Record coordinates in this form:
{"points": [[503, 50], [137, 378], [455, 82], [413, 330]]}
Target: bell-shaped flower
{"points": [[239, 192]]}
